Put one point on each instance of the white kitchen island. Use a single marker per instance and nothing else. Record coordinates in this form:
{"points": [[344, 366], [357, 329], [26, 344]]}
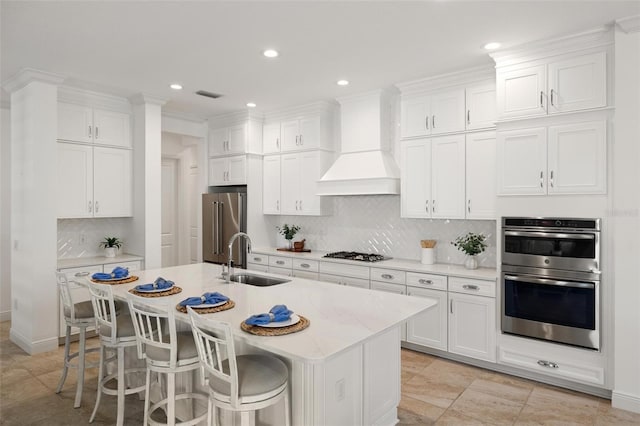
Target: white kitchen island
{"points": [[344, 368]]}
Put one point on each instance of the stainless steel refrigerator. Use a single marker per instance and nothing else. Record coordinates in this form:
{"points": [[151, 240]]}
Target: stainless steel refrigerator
{"points": [[224, 214]]}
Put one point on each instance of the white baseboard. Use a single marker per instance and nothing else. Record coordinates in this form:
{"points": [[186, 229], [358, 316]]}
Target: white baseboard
{"points": [[625, 401], [32, 348], [5, 316]]}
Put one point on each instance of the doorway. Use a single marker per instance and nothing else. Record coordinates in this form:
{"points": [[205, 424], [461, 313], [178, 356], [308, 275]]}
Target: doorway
{"points": [[170, 241]]}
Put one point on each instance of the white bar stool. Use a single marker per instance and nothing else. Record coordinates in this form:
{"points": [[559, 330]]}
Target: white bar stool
{"points": [[116, 333], [78, 315], [243, 383], [167, 351]]}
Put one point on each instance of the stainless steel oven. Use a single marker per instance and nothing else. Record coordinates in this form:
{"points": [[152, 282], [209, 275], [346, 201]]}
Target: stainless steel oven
{"points": [[551, 279]]}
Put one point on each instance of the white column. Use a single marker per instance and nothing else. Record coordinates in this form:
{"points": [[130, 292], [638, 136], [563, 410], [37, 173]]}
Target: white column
{"points": [[147, 158], [626, 216], [5, 214], [34, 127]]}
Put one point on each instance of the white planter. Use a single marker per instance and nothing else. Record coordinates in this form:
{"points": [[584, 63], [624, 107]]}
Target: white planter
{"points": [[471, 262], [110, 251]]}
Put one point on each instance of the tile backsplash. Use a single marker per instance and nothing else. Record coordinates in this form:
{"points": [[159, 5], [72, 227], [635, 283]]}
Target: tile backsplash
{"points": [[82, 237], [372, 223]]}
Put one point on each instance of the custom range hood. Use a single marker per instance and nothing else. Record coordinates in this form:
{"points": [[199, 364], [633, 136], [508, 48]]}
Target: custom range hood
{"points": [[365, 165]]}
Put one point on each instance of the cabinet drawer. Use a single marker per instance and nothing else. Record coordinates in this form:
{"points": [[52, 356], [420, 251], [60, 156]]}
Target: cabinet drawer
{"points": [[345, 270], [81, 273], [388, 275], [257, 267], [135, 265], [472, 286], [260, 259], [305, 274], [388, 287], [337, 279], [436, 282], [280, 262], [280, 271], [305, 265]]}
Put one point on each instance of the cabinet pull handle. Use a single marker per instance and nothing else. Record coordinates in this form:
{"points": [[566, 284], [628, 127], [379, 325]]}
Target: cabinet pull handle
{"points": [[81, 274], [278, 205], [548, 364], [541, 179], [296, 204], [451, 305], [468, 116], [426, 206], [278, 143], [97, 207], [301, 143], [305, 265], [387, 276], [551, 179], [257, 259], [433, 206], [426, 122], [280, 262], [433, 121], [469, 205], [89, 131], [90, 207], [541, 94], [300, 204], [297, 140], [552, 97], [471, 287], [97, 129], [423, 281]]}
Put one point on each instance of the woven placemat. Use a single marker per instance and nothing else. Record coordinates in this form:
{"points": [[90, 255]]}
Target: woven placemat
{"points": [[129, 279], [276, 331], [230, 304], [173, 290]]}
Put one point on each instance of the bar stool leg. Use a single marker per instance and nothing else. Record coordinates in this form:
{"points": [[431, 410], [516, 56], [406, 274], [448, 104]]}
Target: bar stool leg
{"points": [[146, 398], [171, 399], [100, 375], [121, 387], [81, 355], [65, 369]]}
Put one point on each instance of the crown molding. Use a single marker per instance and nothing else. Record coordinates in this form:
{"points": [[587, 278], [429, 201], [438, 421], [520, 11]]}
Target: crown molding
{"points": [[194, 118], [596, 38], [29, 75], [294, 112], [442, 81], [378, 93], [235, 117], [630, 24], [90, 98], [143, 98]]}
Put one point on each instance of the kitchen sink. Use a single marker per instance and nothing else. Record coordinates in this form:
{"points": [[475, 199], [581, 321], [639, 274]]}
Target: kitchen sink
{"points": [[257, 280]]}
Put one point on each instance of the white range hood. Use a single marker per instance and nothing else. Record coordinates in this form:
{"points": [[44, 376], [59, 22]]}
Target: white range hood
{"points": [[365, 165]]}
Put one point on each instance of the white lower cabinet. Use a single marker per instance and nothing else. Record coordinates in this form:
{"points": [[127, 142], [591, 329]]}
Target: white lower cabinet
{"points": [[257, 267], [430, 327], [258, 262], [392, 288], [339, 279], [286, 272], [472, 319]]}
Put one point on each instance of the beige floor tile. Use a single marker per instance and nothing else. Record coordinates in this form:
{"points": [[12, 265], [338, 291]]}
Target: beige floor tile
{"points": [[407, 418], [440, 394], [510, 391], [22, 392], [421, 408], [453, 418], [486, 407], [414, 362], [615, 416]]}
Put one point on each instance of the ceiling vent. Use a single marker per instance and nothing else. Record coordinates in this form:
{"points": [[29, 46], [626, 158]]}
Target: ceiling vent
{"points": [[208, 94]]}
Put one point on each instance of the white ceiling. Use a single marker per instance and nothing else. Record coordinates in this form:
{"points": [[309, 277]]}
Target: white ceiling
{"points": [[142, 46]]}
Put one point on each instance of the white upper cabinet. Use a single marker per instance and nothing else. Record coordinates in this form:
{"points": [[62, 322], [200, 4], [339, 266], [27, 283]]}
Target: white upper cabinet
{"points": [[78, 123], [415, 178], [569, 159], [271, 138], [228, 140], [228, 170], [481, 175], [481, 106], [301, 134], [271, 184], [299, 175], [570, 84], [437, 113], [75, 180]]}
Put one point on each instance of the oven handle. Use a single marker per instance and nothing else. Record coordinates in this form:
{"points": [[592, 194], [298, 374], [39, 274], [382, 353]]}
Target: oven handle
{"points": [[549, 282], [550, 234]]}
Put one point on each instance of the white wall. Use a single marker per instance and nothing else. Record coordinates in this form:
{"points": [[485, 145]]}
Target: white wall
{"points": [[626, 220], [5, 215]]}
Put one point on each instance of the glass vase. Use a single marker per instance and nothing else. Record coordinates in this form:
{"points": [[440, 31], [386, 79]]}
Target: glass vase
{"points": [[471, 262]]}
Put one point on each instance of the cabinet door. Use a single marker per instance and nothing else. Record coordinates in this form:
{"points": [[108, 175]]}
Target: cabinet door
{"points": [[522, 161], [271, 184], [309, 133], [75, 123], [392, 288], [481, 106], [415, 117], [290, 183], [578, 83], [75, 180], [217, 171], [237, 139], [310, 172], [237, 170], [112, 182], [447, 112], [472, 326], [481, 175], [271, 138], [578, 158], [430, 327], [218, 141], [112, 128], [290, 135], [415, 181], [521, 92], [447, 177]]}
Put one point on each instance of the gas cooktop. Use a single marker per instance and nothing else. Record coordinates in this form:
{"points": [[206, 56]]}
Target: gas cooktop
{"points": [[354, 255]]}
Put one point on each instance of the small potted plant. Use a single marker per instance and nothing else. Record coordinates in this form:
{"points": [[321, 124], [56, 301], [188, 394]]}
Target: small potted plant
{"points": [[288, 232], [472, 245], [111, 246]]}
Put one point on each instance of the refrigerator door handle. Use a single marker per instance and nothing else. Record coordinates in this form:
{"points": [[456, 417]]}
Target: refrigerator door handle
{"points": [[214, 228], [220, 227]]}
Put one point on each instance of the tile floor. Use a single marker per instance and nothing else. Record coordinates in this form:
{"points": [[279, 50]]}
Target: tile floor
{"points": [[434, 391]]}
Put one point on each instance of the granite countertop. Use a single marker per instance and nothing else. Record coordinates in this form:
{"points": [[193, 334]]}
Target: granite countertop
{"points": [[400, 264], [78, 262]]}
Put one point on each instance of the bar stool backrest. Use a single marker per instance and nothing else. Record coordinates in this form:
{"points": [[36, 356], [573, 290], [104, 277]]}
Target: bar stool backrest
{"points": [[103, 306], [66, 297], [155, 326]]}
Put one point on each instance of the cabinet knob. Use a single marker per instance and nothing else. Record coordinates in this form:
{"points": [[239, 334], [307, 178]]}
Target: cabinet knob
{"points": [[387, 276]]}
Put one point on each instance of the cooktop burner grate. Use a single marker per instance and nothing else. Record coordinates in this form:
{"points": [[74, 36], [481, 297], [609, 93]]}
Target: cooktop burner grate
{"points": [[354, 255]]}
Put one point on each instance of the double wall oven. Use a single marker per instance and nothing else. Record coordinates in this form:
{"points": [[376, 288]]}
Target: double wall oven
{"points": [[551, 279]]}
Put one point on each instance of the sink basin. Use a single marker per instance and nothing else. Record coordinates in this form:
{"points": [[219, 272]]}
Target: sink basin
{"points": [[257, 280]]}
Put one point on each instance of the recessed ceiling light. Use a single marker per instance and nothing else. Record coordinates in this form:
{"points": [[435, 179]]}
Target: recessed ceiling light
{"points": [[492, 46], [342, 82], [176, 86], [270, 53], [251, 105]]}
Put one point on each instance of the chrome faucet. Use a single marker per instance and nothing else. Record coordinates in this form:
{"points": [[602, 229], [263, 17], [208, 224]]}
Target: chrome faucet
{"points": [[233, 238]]}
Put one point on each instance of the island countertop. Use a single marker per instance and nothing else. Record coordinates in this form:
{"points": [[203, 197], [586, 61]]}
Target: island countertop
{"points": [[340, 316]]}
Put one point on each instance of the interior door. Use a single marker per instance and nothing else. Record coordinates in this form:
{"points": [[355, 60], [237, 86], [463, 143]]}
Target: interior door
{"points": [[169, 213]]}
